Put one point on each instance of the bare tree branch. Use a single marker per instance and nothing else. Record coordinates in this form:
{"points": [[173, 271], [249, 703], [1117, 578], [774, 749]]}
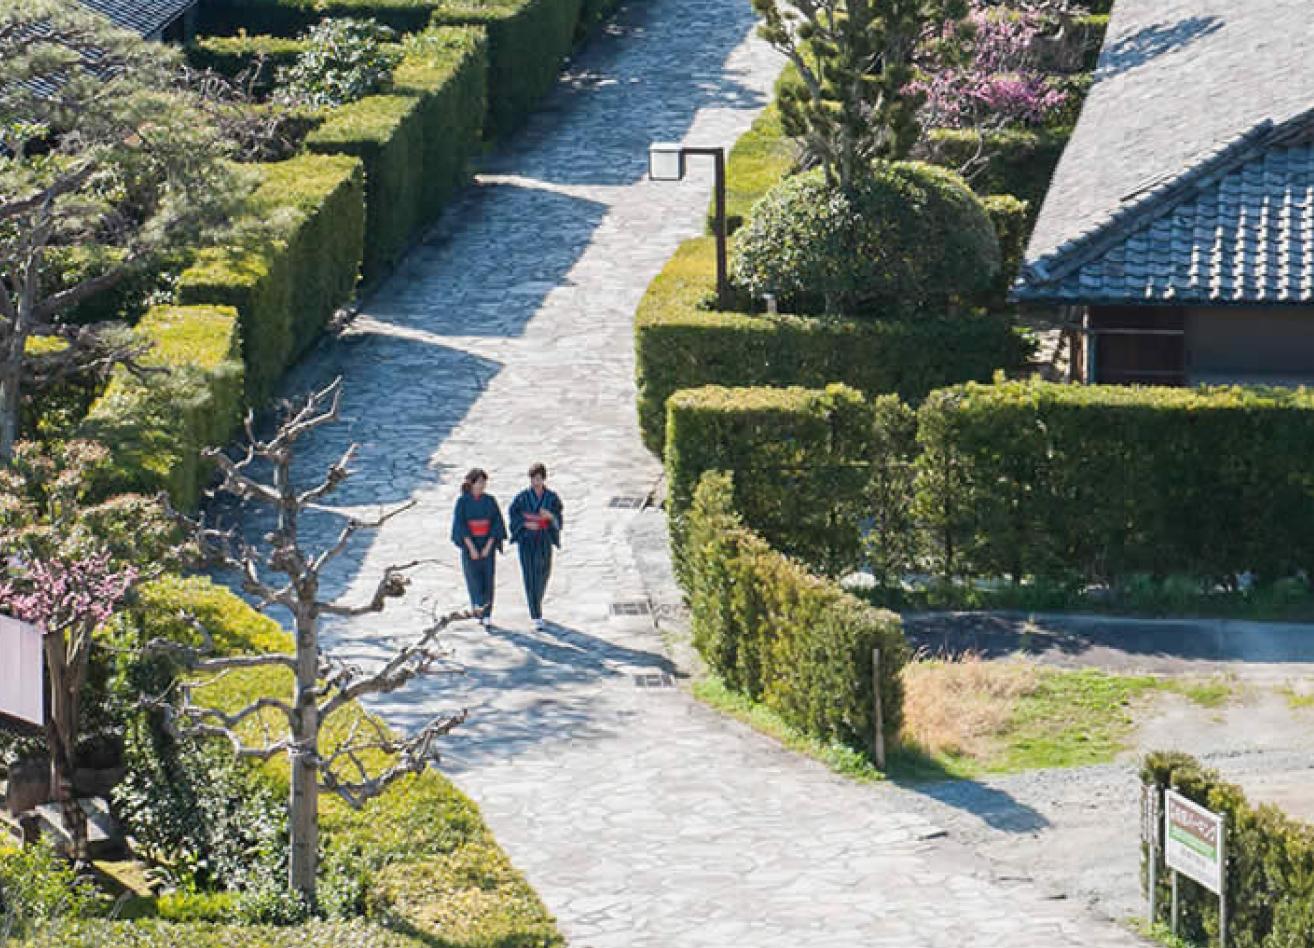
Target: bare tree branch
{"points": [[413, 753]]}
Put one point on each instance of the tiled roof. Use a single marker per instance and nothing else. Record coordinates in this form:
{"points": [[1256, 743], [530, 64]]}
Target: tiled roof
{"points": [[1189, 177], [143, 17]]}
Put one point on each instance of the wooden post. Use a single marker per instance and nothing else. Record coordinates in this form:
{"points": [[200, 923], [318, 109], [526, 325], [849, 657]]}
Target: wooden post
{"points": [[877, 715], [1174, 901], [1222, 889], [1156, 823]]}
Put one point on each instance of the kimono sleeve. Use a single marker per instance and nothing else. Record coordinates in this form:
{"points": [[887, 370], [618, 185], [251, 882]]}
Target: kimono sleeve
{"points": [[517, 515], [499, 525], [459, 530]]}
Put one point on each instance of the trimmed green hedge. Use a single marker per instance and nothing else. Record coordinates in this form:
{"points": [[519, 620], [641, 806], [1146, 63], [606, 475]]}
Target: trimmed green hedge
{"points": [[679, 343], [231, 56], [1011, 218], [1095, 483], [157, 427], [800, 459], [1270, 865], [292, 17], [795, 642], [1019, 161], [527, 42], [286, 280], [415, 141]]}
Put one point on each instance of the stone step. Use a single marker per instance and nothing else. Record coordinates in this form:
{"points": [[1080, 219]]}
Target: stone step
{"points": [[104, 836]]}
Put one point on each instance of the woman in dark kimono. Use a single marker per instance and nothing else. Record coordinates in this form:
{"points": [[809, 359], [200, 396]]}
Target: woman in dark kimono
{"points": [[478, 529], [536, 529]]}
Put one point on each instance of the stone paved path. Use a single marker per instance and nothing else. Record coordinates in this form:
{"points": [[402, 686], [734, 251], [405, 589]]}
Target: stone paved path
{"points": [[642, 818]]}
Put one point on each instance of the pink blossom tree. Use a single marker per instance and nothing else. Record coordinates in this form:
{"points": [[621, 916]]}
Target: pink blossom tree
{"points": [[983, 72], [67, 599]]}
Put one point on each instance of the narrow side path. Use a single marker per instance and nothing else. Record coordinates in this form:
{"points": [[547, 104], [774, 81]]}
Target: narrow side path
{"points": [[642, 818]]}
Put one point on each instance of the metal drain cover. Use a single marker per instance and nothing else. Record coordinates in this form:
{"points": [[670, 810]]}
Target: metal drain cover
{"points": [[632, 607], [628, 502], [654, 680]]}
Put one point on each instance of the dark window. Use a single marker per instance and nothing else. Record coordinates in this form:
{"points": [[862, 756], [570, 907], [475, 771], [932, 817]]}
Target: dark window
{"points": [[1139, 344]]}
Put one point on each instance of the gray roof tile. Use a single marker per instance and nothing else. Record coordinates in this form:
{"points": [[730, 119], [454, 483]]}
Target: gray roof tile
{"points": [[1191, 161], [143, 17]]}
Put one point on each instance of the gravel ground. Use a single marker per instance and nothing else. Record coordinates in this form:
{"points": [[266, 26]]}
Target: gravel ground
{"points": [[1074, 833]]}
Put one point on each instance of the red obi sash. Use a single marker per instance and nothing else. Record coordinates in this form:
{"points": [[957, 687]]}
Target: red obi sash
{"points": [[478, 528], [538, 521]]}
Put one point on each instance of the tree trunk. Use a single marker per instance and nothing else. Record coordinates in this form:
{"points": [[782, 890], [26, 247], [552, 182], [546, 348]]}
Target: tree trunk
{"points": [[62, 736], [10, 393], [304, 803]]}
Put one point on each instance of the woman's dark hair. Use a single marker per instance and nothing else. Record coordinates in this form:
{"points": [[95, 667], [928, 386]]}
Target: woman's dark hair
{"points": [[538, 468], [474, 474]]}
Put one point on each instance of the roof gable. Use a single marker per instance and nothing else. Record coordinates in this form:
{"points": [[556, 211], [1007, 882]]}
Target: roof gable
{"points": [[1183, 88], [1236, 227]]}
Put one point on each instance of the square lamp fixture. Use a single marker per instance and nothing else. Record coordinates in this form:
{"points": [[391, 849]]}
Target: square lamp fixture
{"points": [[665, 161]]}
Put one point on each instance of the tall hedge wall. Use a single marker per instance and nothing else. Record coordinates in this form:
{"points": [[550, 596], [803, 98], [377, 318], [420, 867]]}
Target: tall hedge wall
{"points": [[775, 632], [296, 262], [1019, 161], [680, 343], [292, 17], [1270, 865], [415, 141], [232, 55], [1099, 482], [527, 41], [800, 459], [157, 428]]}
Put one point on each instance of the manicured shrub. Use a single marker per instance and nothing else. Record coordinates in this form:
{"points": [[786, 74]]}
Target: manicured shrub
{"points": [[234, 56], [157, 426], [791, 640], [1096, 483], [1011, 218], [290, 266], [679, 344], [293, 17], [527, 42], [908, 237], [1270, 864], [415, 142], [1017, 161], [800, 460]]}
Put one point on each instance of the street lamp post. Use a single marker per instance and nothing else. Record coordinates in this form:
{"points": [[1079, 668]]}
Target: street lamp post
{"points": [[666, 163]]}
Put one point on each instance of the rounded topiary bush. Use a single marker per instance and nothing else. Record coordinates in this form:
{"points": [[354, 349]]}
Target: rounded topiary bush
{"points": [[907, 237]]}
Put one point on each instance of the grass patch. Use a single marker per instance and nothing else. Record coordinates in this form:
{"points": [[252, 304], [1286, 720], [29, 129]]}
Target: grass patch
{"points": [[840, 758], [970, 717], [1297, 699]]}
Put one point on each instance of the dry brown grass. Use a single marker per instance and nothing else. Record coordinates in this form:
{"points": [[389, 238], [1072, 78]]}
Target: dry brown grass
{"points": [[960, 706]]}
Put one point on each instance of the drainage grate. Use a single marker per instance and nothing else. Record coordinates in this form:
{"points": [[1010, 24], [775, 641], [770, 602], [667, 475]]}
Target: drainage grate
{"points": [[654, 680], [628, 502], [632, 607]]}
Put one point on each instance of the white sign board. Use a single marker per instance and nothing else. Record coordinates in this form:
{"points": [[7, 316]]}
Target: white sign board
{"points": [[22, 671], [1193, 841]]}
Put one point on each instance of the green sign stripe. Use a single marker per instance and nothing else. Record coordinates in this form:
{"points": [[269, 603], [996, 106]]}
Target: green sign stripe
{"points": [[1189, 839]]}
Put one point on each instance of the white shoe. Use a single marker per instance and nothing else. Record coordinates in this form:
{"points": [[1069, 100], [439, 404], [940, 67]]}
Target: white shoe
{"points": [[538, 625], [486, 622]]}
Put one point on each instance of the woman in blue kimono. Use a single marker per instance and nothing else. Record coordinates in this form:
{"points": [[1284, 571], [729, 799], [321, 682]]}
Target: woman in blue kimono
{"points": [[535, 530], [478, 529]]}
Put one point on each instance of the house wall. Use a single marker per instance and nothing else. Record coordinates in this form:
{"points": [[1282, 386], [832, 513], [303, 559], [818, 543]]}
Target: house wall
{"points": [[1250, 343]]}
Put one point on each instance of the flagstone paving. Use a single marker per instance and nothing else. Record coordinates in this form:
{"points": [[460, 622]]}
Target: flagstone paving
{"points": [[642, 818]]}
